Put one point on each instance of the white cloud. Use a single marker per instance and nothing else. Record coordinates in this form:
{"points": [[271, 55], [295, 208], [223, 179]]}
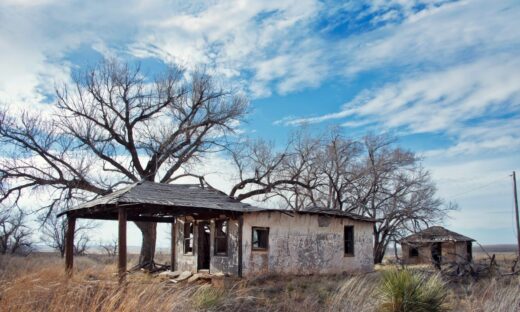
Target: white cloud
{"points": [[438, 101], [232, 37]]}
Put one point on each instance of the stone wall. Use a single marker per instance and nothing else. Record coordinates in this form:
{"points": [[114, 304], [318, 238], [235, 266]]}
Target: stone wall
{"points": [[305, 244]]}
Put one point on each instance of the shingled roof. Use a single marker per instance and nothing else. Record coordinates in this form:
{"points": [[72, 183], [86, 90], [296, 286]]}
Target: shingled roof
{"points": [[180, 198], [179, 195], [435, 234]]}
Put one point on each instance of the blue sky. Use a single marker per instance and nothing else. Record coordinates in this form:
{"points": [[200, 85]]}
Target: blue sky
{"points": [[442, 76]]}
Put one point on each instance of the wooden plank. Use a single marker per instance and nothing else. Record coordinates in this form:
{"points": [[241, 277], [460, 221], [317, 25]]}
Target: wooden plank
{"points": [[240, 233], [173, 243], [69, 244], [122, 243]]}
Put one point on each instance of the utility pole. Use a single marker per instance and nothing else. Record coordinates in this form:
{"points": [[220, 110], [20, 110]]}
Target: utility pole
{"points": [[516, 213]]}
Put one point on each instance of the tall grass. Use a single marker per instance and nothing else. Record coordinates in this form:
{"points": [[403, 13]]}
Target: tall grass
{"points": [[39, 284]]}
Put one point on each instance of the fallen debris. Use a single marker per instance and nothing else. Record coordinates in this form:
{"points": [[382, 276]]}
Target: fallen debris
{"points": [[183, 276], [200, 276], [170, 274]]}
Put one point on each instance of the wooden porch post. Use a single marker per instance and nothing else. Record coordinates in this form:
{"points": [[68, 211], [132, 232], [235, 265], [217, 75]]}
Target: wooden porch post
{"points": [[240, 234], [173, 243], [69, 244], [122, 243]]}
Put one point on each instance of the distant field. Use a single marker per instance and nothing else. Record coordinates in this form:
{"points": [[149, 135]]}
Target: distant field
{"points": [[496, 248], [38, 283]]}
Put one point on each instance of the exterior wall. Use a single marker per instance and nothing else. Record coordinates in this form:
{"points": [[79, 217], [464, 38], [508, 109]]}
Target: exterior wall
{"points": [[185, 262], [305, 244], [225, 264], [218, 264], [448, 252], [451, 252], [425, 255]]}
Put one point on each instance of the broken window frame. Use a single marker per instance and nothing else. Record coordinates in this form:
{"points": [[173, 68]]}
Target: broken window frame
{"points": [[348, 242], [265, 241], [221, 238], [188, 241]]}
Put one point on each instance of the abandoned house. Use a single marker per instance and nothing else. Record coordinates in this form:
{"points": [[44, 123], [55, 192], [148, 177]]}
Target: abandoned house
{"points": [[213, 232], [436, 245]]}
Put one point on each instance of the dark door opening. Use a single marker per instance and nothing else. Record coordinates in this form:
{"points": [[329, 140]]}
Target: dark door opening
{"points": [[437, 254], [203, 253], [469, 250]]}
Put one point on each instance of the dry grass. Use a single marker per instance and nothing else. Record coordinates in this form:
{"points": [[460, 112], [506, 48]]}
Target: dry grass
{"points": [[38, 283]]}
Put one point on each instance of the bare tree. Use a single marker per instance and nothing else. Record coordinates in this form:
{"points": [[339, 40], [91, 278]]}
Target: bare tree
{"points": [[54, 232], [396, 191], [371, 177], [115, 126], [81, 244], [15, 234], [109, 247], [263, 172]]}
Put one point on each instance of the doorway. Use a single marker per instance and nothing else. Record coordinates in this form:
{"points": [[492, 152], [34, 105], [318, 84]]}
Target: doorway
{"points": [[203, 252], [437, 254]]}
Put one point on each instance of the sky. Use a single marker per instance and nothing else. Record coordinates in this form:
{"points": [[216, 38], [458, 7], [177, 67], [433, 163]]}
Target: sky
{"points": [[441, 76]]}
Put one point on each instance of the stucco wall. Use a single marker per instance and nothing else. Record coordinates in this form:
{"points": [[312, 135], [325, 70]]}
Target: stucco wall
{"points": [[305, 244]]}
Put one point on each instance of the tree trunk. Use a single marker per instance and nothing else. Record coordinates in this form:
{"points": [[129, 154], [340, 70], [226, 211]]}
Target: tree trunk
{"points": [[149, 232], [378, 255], [379, 250]]}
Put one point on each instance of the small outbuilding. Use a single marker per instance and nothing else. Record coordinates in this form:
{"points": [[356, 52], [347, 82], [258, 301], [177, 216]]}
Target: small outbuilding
{"points": [[212, 232], [436, 245]]}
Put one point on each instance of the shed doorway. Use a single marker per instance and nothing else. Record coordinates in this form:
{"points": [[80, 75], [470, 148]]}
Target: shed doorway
{"points": [[203, 244], [436, 254]]}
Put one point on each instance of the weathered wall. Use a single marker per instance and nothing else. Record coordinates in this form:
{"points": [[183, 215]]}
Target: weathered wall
{"points": [[185, 262], [425, 255], [462, 252], [448, 252], [451, 252], [218, 264], [225, 264], [306, 244]]}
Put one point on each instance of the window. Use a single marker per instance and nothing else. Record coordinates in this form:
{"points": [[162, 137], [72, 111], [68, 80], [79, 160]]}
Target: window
{"points": [[260, 238], [221, 235], [349, 240], [414, 252], [188, 237]]}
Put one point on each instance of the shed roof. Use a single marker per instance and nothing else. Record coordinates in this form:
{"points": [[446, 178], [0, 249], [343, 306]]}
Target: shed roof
{"points": [[158, 200], [435, 234]]}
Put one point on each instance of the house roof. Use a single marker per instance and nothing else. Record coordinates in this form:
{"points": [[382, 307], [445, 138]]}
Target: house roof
{"points": [[167, 200], [336, 213], [180, 195], [435, 234]]}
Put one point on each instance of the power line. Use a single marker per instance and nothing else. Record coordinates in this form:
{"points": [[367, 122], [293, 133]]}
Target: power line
{"points": [[477, 188]]}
